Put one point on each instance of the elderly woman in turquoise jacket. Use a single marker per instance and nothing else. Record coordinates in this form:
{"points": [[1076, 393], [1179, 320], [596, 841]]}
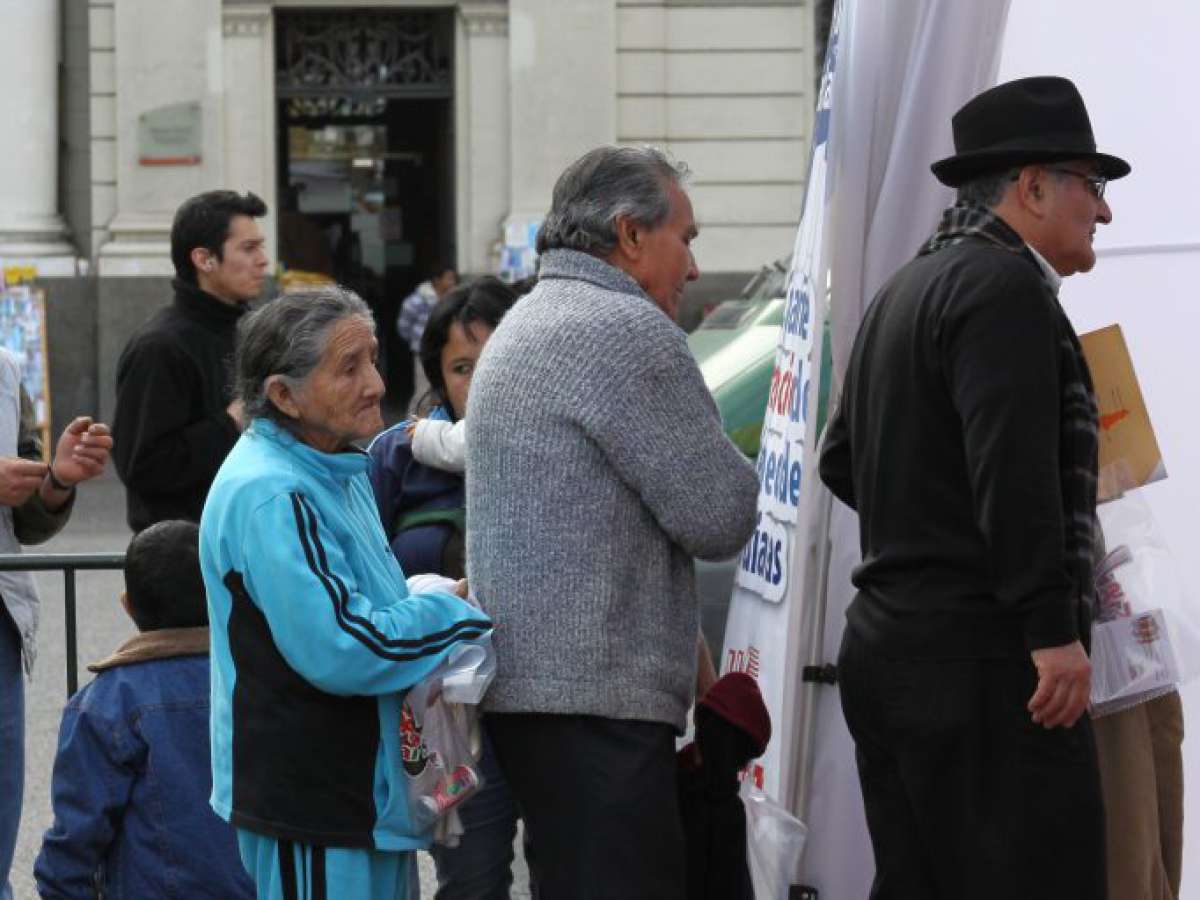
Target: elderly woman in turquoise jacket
{"points": [[315, 637]]}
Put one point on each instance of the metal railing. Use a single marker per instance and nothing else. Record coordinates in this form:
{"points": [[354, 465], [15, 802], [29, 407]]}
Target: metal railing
{"points": [[68, 564]]}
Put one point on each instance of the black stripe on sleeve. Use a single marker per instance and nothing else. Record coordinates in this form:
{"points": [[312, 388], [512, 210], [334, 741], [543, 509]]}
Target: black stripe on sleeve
{"points": [[330, 577], [318, 874], [355, 626], [287, 870]]}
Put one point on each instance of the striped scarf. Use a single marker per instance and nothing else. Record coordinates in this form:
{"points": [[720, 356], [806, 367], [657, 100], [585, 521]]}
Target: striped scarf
{"points": [[1079, 427]]}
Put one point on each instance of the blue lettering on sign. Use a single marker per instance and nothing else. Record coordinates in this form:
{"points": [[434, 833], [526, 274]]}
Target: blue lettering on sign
{"points": [[779, 476], [763, 555], [799, 308]]}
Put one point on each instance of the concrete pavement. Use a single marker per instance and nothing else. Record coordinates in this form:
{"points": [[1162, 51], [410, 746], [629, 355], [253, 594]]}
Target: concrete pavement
{"points": [[97, 525]]}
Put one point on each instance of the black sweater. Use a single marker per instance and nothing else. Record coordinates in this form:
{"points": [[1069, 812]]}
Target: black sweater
{"points": [[946, 441], [170, 430]]}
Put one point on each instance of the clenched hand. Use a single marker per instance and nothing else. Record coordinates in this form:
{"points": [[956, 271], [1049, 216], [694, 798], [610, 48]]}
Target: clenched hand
{"points": [[19, 478]]}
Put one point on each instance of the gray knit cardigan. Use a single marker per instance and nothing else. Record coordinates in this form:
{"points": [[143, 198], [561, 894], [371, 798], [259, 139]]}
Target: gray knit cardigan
{"points": [[597, 469]]}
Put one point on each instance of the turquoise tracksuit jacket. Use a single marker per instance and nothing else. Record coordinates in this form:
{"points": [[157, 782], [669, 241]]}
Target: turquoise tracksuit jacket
{"points": [[315, 639]]}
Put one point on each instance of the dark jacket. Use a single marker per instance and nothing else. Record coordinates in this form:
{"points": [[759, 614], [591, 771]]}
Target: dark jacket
{"points": [[403, 488], [132, 779], [947, 442], [170, 429]]}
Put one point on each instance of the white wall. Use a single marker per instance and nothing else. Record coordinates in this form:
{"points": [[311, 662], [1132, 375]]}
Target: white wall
{"points": [[1136, 67], [727, 87]]}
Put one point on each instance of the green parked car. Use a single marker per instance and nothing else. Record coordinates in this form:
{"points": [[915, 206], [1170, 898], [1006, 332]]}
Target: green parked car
{"points": [[735, 347]]}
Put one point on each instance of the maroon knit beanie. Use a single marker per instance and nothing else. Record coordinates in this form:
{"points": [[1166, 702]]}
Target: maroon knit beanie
{"points": [[736, 698]]}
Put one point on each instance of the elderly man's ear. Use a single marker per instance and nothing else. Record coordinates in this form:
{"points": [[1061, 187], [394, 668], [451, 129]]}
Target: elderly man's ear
{"points": [[1031, 189], [630, 237], [280, 394]]}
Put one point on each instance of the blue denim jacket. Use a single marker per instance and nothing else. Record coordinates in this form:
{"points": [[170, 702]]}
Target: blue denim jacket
{"points": [[132, 779]]}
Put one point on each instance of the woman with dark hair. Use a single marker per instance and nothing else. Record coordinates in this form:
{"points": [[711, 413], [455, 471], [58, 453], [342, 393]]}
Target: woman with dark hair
{"points": [[422, 507], [422, 511]]}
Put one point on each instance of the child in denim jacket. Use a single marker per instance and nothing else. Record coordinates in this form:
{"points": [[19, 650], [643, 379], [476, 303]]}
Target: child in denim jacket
{"points": [[132, 776]]}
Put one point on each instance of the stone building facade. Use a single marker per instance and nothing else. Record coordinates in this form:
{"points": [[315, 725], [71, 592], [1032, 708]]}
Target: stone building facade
{"points": [[506, 92]]}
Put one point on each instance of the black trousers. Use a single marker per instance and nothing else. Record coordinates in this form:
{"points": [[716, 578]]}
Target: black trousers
{"points": [[966, 798], [599, 799]]}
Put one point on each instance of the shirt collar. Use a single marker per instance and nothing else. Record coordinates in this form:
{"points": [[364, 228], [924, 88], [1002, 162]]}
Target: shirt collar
{"points": [[1052, 278]]}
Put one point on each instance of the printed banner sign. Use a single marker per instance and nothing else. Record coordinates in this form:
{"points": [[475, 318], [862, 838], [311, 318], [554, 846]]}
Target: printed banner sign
{"points": [[758, 638]]}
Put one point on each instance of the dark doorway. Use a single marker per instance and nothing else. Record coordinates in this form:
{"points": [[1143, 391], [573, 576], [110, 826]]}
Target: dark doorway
{"points": [[366, 159]]}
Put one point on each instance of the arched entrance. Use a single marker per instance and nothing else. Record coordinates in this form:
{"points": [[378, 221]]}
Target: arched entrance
{"points": [[366, 157]]}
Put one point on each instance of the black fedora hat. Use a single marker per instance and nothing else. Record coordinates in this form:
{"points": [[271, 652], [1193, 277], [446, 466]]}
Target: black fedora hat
{"points": [[1021, 122]]}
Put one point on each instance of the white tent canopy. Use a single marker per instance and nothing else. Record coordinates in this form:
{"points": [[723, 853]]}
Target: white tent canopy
{"points": [[1136, 67]]}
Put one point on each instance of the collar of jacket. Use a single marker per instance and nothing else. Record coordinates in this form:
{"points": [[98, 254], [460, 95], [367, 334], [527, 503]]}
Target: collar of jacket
{"points": [[163, 643], [968, 220], [204, 307], [964, 220], [337, 467], [562, 263]]}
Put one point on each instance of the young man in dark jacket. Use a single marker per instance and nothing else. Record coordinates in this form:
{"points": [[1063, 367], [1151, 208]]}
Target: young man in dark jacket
{"points": [[966, 438], [174, 420], [132, 775]]}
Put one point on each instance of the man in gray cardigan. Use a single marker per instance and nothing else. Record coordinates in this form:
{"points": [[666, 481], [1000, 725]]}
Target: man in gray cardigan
{"points": [[598, 470]]}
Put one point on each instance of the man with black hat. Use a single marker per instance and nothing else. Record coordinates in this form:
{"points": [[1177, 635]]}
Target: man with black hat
{"points": [[966, 438]]}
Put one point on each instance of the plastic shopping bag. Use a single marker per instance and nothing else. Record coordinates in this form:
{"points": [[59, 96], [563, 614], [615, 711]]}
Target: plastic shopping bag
{"points": [[1146, 632], [774, 843], [468, 672], [439, 727], [437, 754]]}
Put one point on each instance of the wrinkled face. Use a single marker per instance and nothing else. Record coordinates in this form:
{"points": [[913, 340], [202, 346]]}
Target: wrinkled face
{"points": [[1072, 212], [339, 401], [237, 277], [666, 264], [463, 346]]}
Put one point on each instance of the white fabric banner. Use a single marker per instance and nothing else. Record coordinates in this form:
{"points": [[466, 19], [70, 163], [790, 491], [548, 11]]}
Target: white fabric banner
{"points": [[1148, 262], [908, 66], [764, 608], [896, 72]]}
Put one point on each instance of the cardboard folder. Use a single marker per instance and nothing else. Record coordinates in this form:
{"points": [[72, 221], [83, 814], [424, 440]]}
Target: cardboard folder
{"points": [[1129, 454]]}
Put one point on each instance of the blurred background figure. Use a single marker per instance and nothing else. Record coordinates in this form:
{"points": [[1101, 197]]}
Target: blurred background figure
{"points": [[175, 418], [414, 313]]}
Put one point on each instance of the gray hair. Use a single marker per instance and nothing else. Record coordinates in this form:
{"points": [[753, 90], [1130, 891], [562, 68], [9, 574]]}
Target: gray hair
{"points": [[987, 190], [287, 337], [600, 186]]}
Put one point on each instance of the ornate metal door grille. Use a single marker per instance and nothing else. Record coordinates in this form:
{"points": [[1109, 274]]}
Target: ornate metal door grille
{"points": [[359, 57]]}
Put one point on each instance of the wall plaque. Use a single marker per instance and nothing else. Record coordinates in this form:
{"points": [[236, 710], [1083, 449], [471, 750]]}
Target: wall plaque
{"points": [[170, 135]]}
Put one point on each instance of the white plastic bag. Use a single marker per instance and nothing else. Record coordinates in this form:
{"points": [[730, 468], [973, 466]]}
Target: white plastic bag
{"points": [[469, 669], [774, 843], [441, 765], [469, 673], [1146, 633], [439, 726]]}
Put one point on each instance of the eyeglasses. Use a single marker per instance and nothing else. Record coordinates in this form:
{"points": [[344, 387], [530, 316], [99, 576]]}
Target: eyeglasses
{"points": [[1095, 183]]}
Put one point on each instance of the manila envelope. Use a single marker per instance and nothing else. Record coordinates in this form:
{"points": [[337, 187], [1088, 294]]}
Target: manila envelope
{"points": [[1129, 454]]}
